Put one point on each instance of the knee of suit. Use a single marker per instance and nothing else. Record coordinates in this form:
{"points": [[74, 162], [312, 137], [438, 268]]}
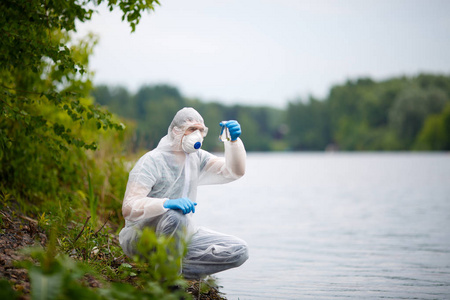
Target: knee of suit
{"points": [[172, 222], [241, 254]]}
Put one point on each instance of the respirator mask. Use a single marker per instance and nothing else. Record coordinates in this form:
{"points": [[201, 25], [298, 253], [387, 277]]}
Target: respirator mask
{"points": [[192, 142]]}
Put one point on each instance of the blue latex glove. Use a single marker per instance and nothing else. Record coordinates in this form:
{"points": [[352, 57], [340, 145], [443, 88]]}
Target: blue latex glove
{"points": [[234, 127], [183, 204]]}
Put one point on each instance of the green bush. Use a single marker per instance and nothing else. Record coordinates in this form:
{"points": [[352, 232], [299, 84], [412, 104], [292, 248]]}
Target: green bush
{"points": [[157, 272], [435, 134]]}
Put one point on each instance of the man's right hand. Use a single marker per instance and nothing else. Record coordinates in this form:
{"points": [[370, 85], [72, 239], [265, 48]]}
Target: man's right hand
{"points": [[183, 204]]}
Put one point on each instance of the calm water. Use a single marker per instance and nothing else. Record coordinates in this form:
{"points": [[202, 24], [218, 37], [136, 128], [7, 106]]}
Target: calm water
{"points": [[321, 226]]}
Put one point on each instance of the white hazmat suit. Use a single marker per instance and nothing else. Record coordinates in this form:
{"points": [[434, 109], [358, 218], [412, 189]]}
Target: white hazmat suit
{"points": [[167, 172]]}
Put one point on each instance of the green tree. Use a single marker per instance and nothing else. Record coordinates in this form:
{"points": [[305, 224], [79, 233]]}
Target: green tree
{"points": [[366, 115], [435, 134], [410, 110], [44, 85], [309, 127], [117, 99], [157, 105], [153, 107], [358, 115]]}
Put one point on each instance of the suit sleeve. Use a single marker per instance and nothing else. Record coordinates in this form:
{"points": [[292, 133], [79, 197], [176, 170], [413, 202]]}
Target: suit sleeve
{"points": [[136, 204], [216, 170]]}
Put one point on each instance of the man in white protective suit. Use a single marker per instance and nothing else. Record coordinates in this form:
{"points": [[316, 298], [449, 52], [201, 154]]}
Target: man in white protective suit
{"points": [[162, 190]]}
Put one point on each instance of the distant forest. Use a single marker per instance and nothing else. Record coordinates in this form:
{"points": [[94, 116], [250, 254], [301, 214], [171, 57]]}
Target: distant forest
{"points": [[403, 113]]}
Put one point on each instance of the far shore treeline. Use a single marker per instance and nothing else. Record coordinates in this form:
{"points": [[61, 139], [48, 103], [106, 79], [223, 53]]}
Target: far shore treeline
{"points": [[397, 114]]}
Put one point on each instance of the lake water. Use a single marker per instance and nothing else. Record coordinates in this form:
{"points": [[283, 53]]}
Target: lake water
{"points": [[322, 226]]}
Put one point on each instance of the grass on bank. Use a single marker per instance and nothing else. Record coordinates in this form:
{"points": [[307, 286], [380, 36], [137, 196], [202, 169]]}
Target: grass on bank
{"points": [[82, 261]]}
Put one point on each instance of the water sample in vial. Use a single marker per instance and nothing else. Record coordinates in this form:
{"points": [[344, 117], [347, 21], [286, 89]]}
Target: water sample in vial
{"points": [[224, 133]]}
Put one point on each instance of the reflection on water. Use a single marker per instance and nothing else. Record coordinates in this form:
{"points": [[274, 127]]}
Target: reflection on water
{"points": [[323, 226]]}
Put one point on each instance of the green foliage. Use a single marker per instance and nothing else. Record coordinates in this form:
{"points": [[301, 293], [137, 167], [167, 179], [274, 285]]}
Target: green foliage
{"points": [[47, 122], [435, 134], [42, 75], [159, 262], [368, 115], [56, 276], [92, 200], [309, 125], [47, 119], [360, 115], [153, 108], [259, 126], [412, 107], [26, 29], [6, 291], [132, 9]]}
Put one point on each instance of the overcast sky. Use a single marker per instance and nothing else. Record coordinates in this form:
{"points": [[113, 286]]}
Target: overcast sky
{"points": [[269, 52]]}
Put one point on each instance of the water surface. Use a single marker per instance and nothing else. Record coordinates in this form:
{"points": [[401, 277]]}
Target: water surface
{"points": [[332, 226]]}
